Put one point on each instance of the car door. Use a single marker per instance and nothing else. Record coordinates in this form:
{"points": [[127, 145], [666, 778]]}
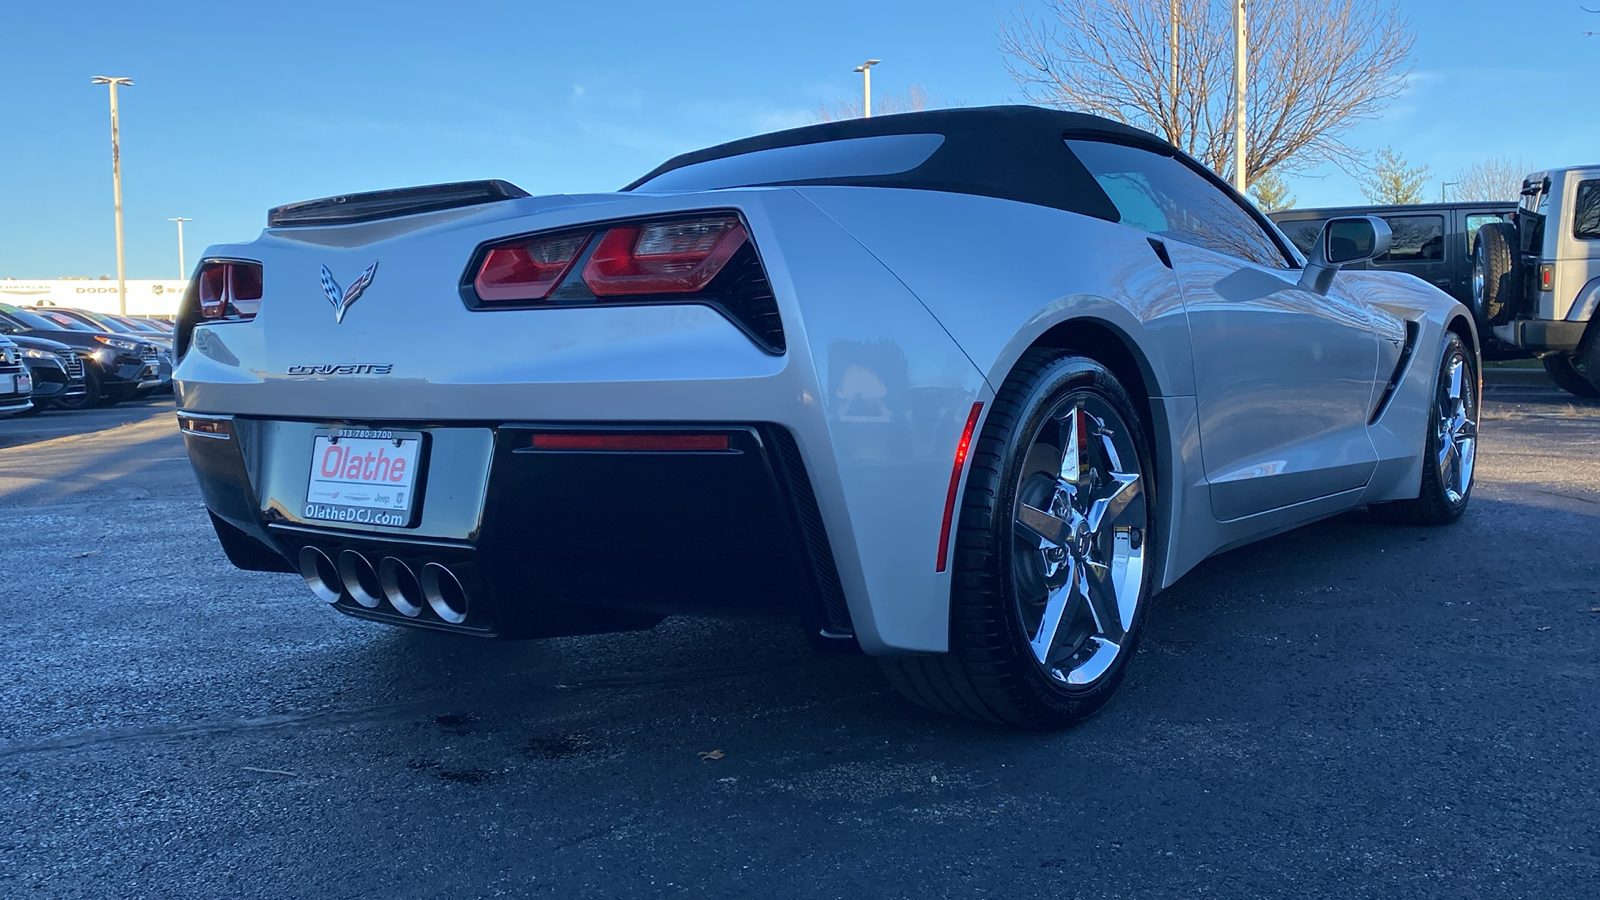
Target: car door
{"points": [[1284, 377], [1417, 247]]}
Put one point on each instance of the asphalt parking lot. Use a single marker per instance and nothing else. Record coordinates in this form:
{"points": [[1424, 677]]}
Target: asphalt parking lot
{"points": [[1349, 710]]}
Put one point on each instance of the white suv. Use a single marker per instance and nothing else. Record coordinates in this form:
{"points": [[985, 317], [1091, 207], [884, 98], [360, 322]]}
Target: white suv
{"points": [[1536, 279]]}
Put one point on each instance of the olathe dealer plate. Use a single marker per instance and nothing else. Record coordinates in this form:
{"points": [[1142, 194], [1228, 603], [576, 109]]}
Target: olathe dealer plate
{"points": [[363, 477]]}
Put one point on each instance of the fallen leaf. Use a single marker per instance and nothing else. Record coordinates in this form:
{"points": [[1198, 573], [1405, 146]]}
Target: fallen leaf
{"points": [[1594, 609], [1544, 627], [708, 755], [86, 554]]}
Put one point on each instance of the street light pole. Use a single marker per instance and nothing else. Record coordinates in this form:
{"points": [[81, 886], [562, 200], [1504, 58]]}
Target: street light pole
{"points": [[1240, 179], [1442, 186], [1172, 36], [116, 185], [182, 272], [866, 86]]}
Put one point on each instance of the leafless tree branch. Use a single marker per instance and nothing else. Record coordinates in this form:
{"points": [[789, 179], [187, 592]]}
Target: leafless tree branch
{"points": [[915, 99], [1496, 178], [1316, 69]]}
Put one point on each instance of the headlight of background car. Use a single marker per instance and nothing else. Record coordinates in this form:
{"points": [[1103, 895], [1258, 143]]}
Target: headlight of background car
{"points": [[118, 343], [32, 353]]}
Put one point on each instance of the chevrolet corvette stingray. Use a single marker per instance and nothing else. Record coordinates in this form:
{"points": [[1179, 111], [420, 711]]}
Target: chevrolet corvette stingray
{"points": [[960, 389]]}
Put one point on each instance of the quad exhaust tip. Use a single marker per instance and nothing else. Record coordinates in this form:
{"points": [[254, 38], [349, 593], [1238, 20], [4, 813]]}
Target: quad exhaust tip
{"points": [[321, 575], [400, 586], [360, 579], [392, 579], [445, 593]]}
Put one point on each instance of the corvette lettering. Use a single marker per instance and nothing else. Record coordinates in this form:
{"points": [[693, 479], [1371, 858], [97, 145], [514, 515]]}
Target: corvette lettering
{"points": [[363, 369]]}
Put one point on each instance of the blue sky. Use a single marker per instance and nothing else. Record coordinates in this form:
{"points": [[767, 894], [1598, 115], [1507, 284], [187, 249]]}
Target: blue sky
{"points": [[238, 107]]}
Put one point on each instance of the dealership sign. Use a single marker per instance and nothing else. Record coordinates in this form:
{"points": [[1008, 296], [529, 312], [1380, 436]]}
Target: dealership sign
{"points": [[146, 297]]}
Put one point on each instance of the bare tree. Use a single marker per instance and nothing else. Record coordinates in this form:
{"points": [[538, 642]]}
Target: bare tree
{"points": [[1270, 193], [915, 99], [1496, 178], [1391, 181], [1317, 67]]}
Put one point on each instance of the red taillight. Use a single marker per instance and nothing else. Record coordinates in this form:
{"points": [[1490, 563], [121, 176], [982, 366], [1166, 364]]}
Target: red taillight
{"points": [[527, 270], [660, 443], [1547, 277], [213, 290], [225, 284], [662, 257], [955, 481]]}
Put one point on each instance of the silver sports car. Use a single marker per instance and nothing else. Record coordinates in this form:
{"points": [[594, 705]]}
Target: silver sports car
{"points": [[962, 390]]}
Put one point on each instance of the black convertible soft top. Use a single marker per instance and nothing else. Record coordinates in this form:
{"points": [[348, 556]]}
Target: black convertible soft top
{"points": [[1010, 152]]}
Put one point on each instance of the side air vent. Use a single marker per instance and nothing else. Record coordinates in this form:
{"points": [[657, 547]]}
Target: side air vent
{"points": [[1412, 331], [374, 205]]}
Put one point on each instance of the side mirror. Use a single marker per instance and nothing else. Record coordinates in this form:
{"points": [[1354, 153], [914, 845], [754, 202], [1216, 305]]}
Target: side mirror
{"points": [[1343, 241]]}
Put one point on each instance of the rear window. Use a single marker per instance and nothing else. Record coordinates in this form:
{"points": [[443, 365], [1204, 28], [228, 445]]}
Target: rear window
{"points": [[28, 320], [62, 320], [886, 154], [1416, 239], [1478, 220], [1586, 212]]}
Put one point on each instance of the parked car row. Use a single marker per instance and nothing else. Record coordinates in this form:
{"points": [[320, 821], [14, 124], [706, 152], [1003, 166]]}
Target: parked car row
{"points": [[58, 358]]}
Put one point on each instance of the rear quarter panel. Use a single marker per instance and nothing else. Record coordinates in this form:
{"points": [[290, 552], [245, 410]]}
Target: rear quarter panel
{"points": [[998, 274]]}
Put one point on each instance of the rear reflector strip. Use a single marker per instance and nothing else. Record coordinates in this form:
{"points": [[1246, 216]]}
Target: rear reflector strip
{"points": [[955, 482], [630, 443], [206, 426]]}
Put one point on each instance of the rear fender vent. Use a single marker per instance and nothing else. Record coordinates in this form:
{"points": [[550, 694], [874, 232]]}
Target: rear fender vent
{"points": [[746, 297], [834, 611]]}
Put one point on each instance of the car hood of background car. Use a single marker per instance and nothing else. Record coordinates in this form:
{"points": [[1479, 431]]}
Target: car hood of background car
{"points": [[38, 343], [84, 339]]}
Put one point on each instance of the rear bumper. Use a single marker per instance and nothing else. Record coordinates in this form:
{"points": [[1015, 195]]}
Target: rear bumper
{"points": [[549, 542], [1542, 334]]}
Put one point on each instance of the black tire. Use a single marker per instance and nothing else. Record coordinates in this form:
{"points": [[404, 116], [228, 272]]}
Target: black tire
{"points": [[1564, 371], [91, 396], [991, 673], [1443, 498], [111, 395], [1497, 282]]}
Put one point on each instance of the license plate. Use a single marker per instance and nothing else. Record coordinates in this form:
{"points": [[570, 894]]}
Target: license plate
{"points": [[8, 384], [363, 477]]}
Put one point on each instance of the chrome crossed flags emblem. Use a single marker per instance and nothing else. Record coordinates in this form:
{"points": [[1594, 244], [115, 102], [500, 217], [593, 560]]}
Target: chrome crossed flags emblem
{"points": [[344, 298]]}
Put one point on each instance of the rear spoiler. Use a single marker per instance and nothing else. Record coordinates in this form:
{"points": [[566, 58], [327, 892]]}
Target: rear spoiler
{"points": [[374, 205]]}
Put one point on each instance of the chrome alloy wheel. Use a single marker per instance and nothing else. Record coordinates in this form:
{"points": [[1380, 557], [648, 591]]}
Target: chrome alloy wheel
{"points": [[1078, 557], [1480, 274], [1456, 426]]}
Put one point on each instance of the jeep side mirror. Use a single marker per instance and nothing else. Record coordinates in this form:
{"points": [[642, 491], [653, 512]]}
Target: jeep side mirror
{"points": [[1343, 241]]}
